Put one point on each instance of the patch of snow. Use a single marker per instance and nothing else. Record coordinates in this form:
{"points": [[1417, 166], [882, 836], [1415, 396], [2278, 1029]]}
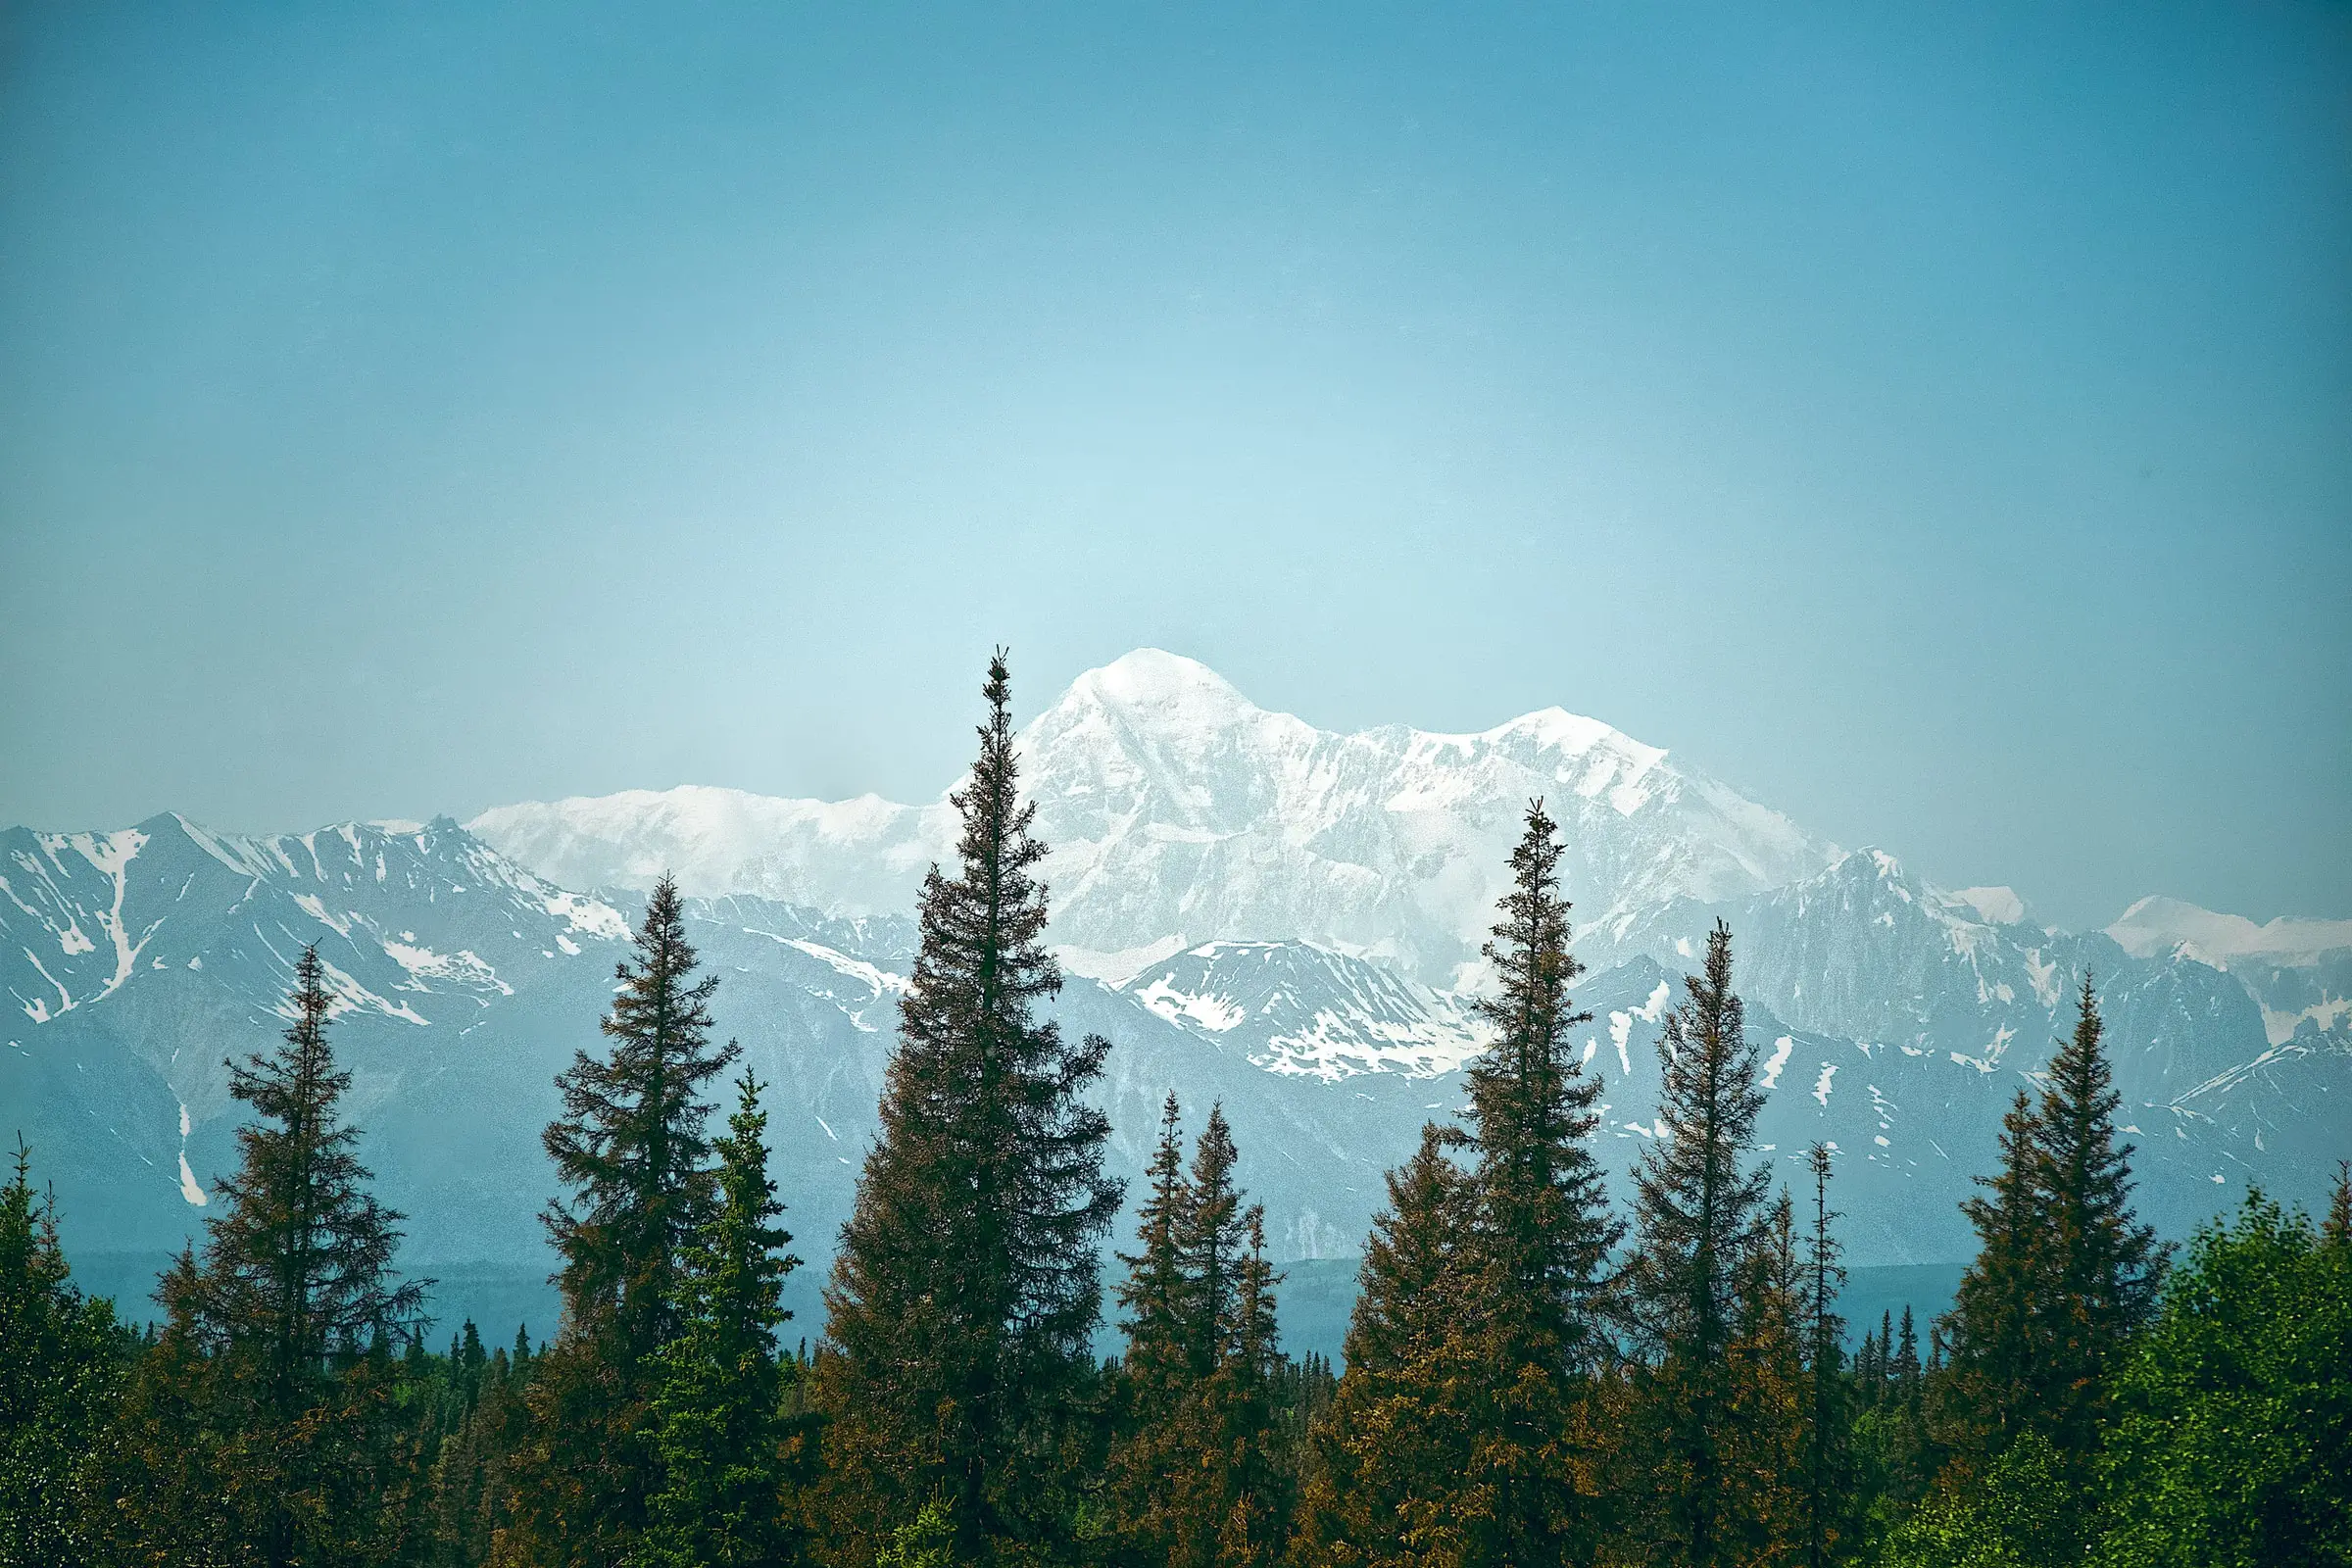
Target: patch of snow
{"points": [[1780, 1048], [1115, 969], [1821, 1085], [2042, 977], [312, 905], [2000, 906], [464, 967], [588, 917], [2157, 925]]}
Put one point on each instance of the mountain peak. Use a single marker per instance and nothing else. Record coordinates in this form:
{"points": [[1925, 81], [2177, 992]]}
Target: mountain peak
{"points": [[2157, 925], [1153, 678]]}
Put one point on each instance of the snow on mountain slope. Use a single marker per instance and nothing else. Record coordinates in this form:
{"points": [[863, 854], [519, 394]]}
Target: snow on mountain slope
{"points": [[2299, 970], [1303, 1010], [1173, 807], [860, 857], [1868, 953]]}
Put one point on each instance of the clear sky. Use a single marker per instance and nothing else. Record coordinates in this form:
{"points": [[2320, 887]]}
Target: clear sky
{"points": [[1936, 421]]}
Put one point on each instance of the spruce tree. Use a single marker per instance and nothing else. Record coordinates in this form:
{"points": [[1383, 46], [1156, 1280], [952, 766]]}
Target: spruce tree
{"points": [[1542, 1229], [1765, 1442], [965, 1291], [631, 1147], [63, 1357], [2103, 1266], [1154, 1290], [1385, 1488], [1698, 1212], [295, 1287], [1257, 1490], [1827, 1468], [2337, 1227], [1995, 1330], [1194, 1481], [717, 1409]]}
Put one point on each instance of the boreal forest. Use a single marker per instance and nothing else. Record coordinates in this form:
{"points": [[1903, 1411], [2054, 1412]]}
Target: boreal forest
{"points": [[1534, 1374]]}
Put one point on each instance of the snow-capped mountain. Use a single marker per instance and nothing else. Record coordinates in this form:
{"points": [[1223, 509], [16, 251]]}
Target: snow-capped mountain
{"points": [[1175, 810], [1252, 910], [2299, 970]]}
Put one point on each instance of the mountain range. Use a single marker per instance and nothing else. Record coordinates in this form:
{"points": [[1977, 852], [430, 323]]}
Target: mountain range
{"points": [[1252, 910]]}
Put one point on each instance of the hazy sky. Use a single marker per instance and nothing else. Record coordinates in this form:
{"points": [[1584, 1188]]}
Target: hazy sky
{"points": [[1939, 426]]}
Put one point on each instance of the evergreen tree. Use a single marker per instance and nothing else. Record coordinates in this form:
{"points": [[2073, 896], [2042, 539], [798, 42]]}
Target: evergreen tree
{"points": [[1192, 1478], [2338, 1224], [965, 1291], [295, 1287], [632, 1145], [718, 1411], [2064, 1273], [62, 1362], [1542, 1229], [2104, 1266], [1698, 1215], [1829, 1478], [1995, 1332], [161, 1478], [1154, 1290], [1765, 1442], [1385, 1485], [1257, 1487]]}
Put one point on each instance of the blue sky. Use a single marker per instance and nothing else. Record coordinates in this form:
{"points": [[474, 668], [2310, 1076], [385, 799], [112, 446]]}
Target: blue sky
{"points": [[1938, 425]]}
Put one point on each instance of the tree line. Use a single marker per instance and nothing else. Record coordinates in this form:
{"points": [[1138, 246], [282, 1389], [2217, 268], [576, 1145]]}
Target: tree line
{"points": [[1530, 1377]]}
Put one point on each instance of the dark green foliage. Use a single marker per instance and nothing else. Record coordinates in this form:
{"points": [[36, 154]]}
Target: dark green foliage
{"points": [[2103, 1266], [1699, 1217], [726, 1451], [1154, 1292], [631, 1147], [1892, 1461], [62, 1358], [2064, 1274], [267, 1412], [1384, 1487], [1542, 1231], [1196, 1474], [1995, 1331], [159, 1482], [1507, 1402], [2023, 1513], [1829, 1450], [631, 1144], [965, 1291], [2230, 1438]]}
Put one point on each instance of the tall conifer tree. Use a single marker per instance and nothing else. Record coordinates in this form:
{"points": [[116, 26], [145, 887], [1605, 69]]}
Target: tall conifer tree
{"points": [[1829, 1478], [727, 1452], [1192, 1480], [1543, 1227], [1153, 1294], [1257, 1493], [965, 1291], [272, 1330], [1699, 1208], [1389, 1453], [2064, 1273], [1995, 1330], [2104, 1265], [631, 1147]]}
